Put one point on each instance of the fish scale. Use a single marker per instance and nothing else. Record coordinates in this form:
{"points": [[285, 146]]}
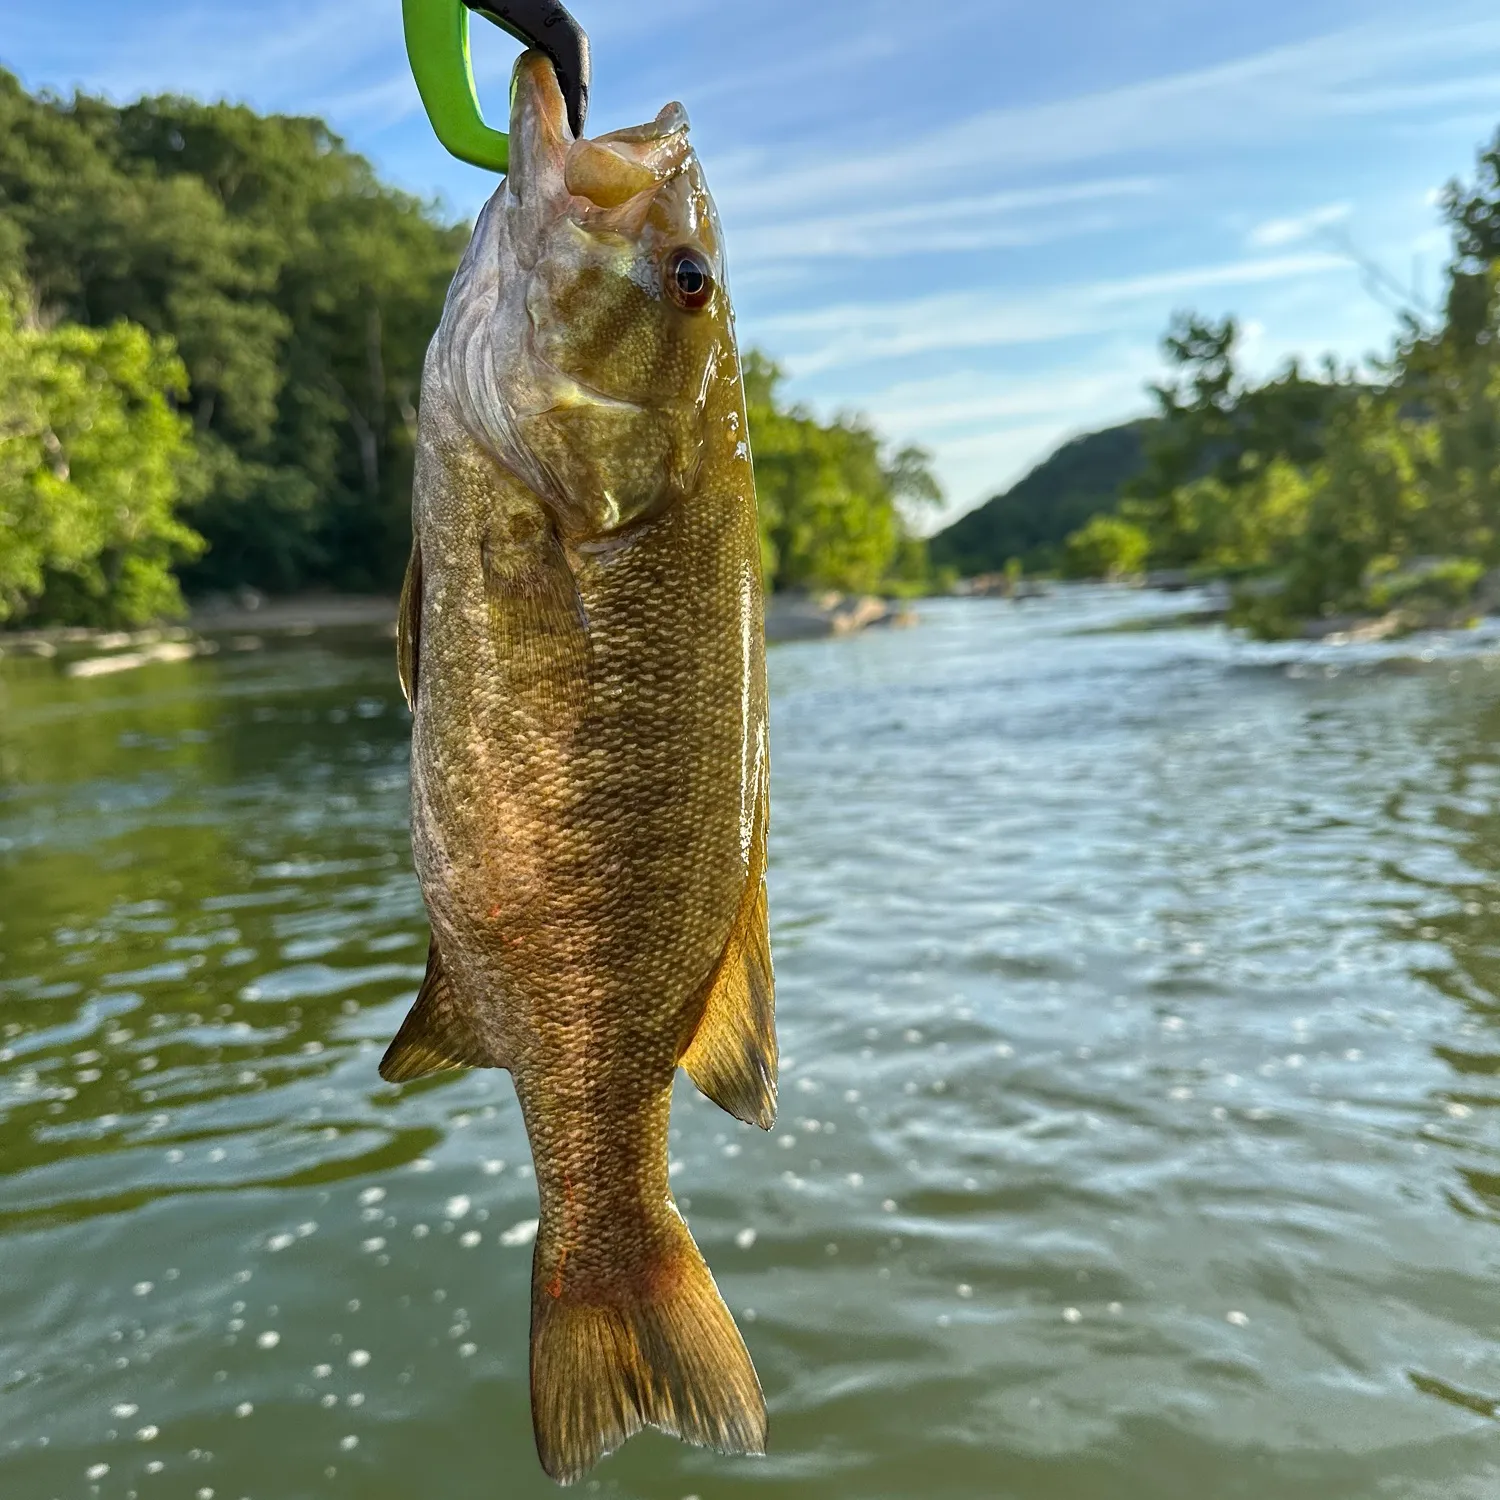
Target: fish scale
{"points": [[581, 640]]}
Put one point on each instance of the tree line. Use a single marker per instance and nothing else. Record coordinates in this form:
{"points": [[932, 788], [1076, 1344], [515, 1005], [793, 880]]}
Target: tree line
{"points": [[212, 325], [1331, 491]]}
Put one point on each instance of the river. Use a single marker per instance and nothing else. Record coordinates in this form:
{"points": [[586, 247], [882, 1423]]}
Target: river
{"points": [[1138, 1137]]}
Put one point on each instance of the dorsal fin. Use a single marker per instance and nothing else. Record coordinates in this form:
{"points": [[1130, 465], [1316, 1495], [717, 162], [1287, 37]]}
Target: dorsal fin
{"points": [[732, 1056], [409, 627], [434, 1037]]}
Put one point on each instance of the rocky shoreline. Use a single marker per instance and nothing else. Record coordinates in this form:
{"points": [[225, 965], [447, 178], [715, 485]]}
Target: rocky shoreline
{"points": [[241, 623]]}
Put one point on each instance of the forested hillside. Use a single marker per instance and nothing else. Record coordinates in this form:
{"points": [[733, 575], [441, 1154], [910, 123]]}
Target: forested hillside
{"points": [[1031, 520]]}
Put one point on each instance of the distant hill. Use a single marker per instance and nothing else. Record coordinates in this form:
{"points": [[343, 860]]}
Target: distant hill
{"points": [[1030, 520]]}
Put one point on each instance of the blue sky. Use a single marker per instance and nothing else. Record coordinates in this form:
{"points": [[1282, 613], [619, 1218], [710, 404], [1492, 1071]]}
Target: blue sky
{"points": [[973, 230]]}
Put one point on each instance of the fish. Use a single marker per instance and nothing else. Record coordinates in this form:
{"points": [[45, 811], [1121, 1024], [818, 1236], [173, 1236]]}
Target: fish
{"points": [[581, 643]]}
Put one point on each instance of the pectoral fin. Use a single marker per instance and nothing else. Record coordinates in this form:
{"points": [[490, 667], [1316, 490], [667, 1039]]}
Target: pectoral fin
{"points": [[732, 1056], [409, 627], [434, 1037], [537, 622]]}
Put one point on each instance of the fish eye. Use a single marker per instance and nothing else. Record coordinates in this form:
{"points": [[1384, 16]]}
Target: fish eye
{"points": [[689, 281]]}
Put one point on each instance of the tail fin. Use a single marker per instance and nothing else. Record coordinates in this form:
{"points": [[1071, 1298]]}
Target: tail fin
{"points": [[667, 1355]]}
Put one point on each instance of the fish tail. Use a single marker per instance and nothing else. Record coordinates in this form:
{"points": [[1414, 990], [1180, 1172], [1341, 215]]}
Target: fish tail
{"points": [[657, 1348]]}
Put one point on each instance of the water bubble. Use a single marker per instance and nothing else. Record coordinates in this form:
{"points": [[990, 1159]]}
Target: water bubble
{"points": [[371, 1195], [359, 1358], [965, 1290], [269, 1339], [96, 1471], [243, 1409], [322, 1372], [124, 1409], [469, 1238], [1239, 1319], [346, 1443], [370, 1246], [745, 1238], [280, 1242], [142, 1288], [149, 1434], [1072, 1315], [492, 1168], [457, 1206]]}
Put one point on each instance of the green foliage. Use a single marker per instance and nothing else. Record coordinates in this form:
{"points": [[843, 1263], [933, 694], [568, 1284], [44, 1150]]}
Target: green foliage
{"points": [[1106, 547], [92, 462], [1220, 486], [1030, 521], [831, 500], [299, 291]]}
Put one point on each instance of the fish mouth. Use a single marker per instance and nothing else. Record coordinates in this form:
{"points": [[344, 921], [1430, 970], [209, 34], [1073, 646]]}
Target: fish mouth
{"points": [[611, 170], [602, 174]]}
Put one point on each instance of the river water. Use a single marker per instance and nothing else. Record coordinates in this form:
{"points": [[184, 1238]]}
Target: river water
{"points": [[1139, 993]]}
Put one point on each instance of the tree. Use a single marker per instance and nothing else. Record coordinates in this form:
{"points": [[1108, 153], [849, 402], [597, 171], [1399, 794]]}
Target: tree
{"points": [[300, 293], [831, 500], [1107, 547], [92, 463]]}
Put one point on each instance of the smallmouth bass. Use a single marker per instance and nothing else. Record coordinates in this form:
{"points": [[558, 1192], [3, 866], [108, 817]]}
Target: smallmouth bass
{"points": [[581, 642]]}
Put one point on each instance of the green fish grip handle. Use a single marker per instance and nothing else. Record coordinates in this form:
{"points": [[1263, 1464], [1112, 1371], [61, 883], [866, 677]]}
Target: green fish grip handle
{"points": [[437, 44]]}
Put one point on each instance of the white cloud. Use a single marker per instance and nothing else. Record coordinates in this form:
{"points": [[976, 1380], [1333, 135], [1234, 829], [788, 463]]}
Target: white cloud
{"points": [[857, 333], [1274, 233], [1362, 70], [1014, 217]]}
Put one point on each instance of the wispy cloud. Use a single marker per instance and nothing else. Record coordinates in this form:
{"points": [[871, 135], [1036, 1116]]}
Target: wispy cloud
{"points": [[1364, 70], [850, 334], [932, 225], [1273, 233]]}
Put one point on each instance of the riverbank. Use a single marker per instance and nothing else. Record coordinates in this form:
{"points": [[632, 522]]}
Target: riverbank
{"points": [[241, 623]]}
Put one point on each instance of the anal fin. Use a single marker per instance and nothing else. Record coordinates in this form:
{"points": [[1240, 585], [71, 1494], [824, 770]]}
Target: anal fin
{"points": [[434, 1037]]}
